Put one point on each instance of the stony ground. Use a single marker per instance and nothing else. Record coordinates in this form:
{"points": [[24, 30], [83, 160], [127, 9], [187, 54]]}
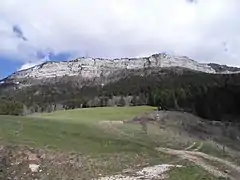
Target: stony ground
{"points": [[25, 163], [152, 172]]}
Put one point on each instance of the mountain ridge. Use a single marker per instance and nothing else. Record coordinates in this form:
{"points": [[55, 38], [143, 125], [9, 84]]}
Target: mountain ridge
{"points": [[87, 68]]}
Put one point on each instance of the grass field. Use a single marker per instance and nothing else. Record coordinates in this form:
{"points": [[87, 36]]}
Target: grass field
{"points": [[91, 115], [110, 147], [71, 130]]}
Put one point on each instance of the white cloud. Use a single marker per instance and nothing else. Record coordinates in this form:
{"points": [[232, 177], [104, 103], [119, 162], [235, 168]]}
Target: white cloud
{"points": [[113, 28], [33, 63]]}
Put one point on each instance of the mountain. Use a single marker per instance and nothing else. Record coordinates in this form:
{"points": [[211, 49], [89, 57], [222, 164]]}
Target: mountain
{"points": [[224, 68], [174, 82], [89, 68]]}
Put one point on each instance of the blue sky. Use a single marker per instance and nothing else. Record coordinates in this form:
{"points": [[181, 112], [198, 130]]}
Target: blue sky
{"points": [[10, 64], [7, 66], [207, 31]]}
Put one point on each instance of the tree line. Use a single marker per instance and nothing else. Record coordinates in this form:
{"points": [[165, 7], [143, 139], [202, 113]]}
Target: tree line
{"points": [[211, 96]]}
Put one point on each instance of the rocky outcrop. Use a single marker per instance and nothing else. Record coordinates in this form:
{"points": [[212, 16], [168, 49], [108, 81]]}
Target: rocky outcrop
{"points": [[224, 68], [85, 69], [96, 67]]}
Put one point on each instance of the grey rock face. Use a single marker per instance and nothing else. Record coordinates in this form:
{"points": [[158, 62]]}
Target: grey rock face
{"points": [[95, 67], [85, 69]]}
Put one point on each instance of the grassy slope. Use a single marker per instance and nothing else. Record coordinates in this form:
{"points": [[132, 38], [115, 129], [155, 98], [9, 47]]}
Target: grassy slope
{"points": [[70, 130], [190, 172], [79, 130], [89, 115]]}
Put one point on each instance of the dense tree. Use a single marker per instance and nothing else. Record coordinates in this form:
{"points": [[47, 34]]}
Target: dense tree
{"points": [[11, 108], [121, 101], [212, 96]]}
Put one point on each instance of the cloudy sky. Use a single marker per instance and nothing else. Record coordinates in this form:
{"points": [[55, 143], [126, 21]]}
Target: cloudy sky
{"points": [[34, 31]]}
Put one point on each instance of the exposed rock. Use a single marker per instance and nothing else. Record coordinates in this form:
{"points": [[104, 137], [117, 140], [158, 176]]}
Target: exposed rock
{"points": [[224, 68], [151, 173], [96, 71], [34, 167], [89, 68]]}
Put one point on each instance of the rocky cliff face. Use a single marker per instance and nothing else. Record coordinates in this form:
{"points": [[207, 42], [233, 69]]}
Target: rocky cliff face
{"points": [[224, 68], [92, 68], [95, 67]]}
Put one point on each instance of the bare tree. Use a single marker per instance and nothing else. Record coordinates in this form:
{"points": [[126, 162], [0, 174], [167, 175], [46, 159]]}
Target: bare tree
{"points": [[143, 123]]}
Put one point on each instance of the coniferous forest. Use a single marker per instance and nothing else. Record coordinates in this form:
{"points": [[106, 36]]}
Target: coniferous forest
{"points": [[211, 96]]}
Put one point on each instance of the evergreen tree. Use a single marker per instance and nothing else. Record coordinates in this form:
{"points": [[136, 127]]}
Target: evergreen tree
{"points": [[121, 102]]}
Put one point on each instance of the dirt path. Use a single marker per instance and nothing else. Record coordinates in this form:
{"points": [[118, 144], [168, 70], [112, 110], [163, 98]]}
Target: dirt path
{"points": [[199, 147], [198, 159], [192, 154], [212, 158], [190, 147]]}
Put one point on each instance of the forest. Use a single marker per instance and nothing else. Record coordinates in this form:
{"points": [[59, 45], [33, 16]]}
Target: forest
{"points": [[211, 96]]}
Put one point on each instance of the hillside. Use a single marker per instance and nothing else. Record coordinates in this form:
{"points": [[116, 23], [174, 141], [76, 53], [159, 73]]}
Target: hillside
{"points": [[172, 82], [171, 88], [101, 125], [108, 143]]}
